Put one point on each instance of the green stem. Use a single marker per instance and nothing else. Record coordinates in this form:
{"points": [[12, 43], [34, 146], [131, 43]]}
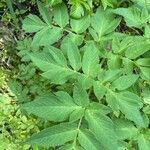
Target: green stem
{"points": [[10, 6], [79, 124]]}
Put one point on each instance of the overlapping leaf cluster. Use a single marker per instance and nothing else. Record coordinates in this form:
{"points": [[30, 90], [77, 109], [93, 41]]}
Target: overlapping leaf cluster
{"points": [[108, 105], [78, 8]]}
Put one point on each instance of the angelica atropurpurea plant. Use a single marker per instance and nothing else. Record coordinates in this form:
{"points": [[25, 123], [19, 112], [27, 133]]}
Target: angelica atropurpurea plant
{"points": [[108, 105]]}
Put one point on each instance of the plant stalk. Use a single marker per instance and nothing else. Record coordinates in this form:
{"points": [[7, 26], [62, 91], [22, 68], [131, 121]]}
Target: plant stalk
{"points": [[11, 9]]}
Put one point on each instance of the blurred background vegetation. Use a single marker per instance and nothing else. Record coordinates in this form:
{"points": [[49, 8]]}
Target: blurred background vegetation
{"points": [[14, 126]]}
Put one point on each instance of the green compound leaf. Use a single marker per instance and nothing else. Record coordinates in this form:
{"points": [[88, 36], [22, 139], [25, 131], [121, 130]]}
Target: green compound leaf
{"points": [[103, 62]]}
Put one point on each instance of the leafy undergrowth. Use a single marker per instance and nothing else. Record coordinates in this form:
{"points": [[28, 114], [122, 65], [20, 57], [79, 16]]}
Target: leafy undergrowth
{"points": [[81, 77], [14, 126]]}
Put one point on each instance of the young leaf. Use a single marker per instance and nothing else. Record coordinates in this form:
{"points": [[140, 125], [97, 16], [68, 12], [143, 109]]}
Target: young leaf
{"points": [[90, 63], [125, 81], [77, 10], [54, 136], [106, 3], [103, 129], [80, 25], [61, 16]]}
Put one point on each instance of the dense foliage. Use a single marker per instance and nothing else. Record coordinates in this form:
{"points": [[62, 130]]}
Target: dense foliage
{"points": [[83, 72]]}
